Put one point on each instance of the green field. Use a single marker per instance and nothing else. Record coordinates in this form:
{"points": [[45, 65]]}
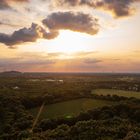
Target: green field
{"points": [[69, 108], [116, 92]]}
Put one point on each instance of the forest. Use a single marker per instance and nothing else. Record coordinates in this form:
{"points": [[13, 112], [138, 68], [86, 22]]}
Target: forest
{"points": [[106, 115]]}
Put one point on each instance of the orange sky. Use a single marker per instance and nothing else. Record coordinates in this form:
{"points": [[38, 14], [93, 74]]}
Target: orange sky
{"points": [[73, 37]]}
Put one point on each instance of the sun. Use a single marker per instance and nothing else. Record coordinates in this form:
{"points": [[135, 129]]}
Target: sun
{"points": [[67, 42]]}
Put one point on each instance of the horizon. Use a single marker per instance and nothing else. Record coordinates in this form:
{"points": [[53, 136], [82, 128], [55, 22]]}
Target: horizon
{"points": [[24, 72]]}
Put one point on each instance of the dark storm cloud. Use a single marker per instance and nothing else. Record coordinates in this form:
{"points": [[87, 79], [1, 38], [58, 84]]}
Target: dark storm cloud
{"points": [[119, 7], [4, 4], [26, 35], [78, 22]]}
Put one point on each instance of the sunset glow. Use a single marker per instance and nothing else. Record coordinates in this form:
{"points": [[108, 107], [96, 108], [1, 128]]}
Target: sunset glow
{"points": [[58, 36]]}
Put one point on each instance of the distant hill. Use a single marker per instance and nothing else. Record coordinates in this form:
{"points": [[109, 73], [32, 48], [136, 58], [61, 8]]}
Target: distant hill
{"points": [[12, 73]]}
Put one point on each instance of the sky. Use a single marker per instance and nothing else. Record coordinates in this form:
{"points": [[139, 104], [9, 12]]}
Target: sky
{"points": [[70, 35]]}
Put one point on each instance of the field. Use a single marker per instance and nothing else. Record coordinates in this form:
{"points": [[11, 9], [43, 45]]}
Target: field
{"points": [[70, 108], [116, 92]]}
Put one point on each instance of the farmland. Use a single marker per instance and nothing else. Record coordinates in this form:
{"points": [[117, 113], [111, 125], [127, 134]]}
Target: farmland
{"points": [[112, 92], [70, 108]]}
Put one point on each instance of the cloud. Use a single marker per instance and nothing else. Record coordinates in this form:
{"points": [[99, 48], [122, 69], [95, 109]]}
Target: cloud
{"points": [[50, 35], [78, 22], [25, 63], [116, 59], [119, 8], [4, 4], [86, 54], [8, 24], [92, 61], [136, 51], [26, 35]]}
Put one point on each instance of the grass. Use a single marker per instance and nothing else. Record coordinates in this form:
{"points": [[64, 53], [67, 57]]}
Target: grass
{"points": [[68, 109], [116, 92]]}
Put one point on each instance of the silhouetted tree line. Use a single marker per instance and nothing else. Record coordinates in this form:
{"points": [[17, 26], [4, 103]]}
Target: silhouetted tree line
{"points": [[121, 121]]}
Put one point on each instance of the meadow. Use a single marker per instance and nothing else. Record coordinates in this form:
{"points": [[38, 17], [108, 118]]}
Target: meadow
{"points": [[70, 108], [117, 92]]}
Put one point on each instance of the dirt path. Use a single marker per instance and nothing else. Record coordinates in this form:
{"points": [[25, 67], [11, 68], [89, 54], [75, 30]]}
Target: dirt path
{"points": [[38, 115]]}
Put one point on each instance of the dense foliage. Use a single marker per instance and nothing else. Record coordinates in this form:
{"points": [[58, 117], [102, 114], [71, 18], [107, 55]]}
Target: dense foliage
{"points": [[20, 93]]}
